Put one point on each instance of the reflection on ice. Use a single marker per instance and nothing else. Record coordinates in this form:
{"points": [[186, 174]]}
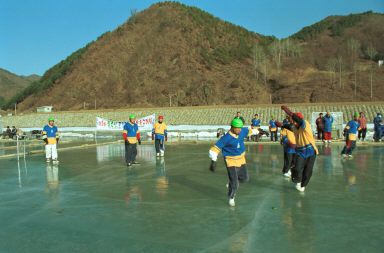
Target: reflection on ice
{"points": [[109, 152], [53, 184], [133, 190], [161, 177], [19, 172]]}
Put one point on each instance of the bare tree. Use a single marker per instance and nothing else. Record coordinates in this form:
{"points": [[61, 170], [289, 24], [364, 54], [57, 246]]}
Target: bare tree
{"points": [[289, 48], [275, 49], [258, 56], [340, 65], [265, 62], [353, 47], [206, 91], [132, 19], [355, 70], [371, 52], [331, 66]]}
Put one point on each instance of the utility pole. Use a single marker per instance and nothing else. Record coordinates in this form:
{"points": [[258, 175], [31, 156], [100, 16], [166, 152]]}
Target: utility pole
{"points": [[95, 104], [371, 70], [15, 108]]}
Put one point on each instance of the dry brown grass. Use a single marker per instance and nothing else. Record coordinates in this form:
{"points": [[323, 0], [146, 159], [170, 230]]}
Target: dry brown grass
{"points": [[141, 65]]}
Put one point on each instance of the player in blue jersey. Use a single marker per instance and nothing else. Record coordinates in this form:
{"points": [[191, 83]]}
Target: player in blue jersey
{"points": [[376, 127], [131, 137], [255, 126], [350, 133], [273, 128], [51, 138], [288, 140], [232, 145], [328, 122], [255, 123]]}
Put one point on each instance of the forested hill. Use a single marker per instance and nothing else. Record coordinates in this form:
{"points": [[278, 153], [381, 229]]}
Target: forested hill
{"points": [[175, 54], [10, 84]]}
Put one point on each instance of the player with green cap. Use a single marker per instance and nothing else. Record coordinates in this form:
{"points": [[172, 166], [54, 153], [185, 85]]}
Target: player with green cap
{"points": [[350, 132], [51, 139], [131, 137], [232, 145]]}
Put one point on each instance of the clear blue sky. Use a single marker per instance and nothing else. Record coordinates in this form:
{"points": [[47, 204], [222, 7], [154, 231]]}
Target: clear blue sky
{"points": [[36, 34]]}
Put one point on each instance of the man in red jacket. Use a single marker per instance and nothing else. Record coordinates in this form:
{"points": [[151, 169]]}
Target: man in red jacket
{"points": [[320, 127], [363, 126]]}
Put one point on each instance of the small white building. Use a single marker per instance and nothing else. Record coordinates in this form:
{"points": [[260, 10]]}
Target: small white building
{"points": [[45, 108], [380, 62]]}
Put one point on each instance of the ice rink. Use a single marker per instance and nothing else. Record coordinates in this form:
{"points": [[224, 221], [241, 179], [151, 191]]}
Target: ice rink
{"points": [[92, 202]]}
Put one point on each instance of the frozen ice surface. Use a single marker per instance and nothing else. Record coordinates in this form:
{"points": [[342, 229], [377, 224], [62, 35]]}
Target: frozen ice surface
{"points": [[91, 202], [170, 128]]}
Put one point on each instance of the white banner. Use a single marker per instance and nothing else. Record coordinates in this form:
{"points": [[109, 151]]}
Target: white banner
{"points": [[145, 123]]}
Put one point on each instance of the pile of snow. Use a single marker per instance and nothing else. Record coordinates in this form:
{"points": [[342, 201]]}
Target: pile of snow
{"points": [[70, 134]]}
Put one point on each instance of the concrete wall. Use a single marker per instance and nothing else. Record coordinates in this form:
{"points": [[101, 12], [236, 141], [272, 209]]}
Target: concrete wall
{"points": [[187, 116]]}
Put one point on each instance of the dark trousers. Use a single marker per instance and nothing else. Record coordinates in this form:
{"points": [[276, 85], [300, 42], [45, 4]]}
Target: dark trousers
{"points": [[159, 144], [289, 161], [273, 134], [348, 148], [320, 134], [130, 152], [376, 136], [303, 169], [236, 175], [362, 133]]}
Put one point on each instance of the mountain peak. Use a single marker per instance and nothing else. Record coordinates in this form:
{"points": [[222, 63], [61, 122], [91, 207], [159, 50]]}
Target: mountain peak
{"points": [[175, 54]]}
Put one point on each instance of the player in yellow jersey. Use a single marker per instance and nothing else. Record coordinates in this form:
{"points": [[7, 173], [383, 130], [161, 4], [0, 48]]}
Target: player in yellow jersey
{"points": [[306, 150], [159, 134]]}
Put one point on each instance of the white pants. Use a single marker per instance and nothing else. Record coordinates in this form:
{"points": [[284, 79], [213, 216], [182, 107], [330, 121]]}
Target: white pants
{"points": [[51, 151]]}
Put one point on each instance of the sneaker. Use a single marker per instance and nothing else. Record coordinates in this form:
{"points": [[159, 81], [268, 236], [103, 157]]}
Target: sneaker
{"points": [[287, 174], [329, 141], [48, 160], [227, 186], [161, 153], [350, 156], [55, 161], [232, 202], [157, 154], [129, 164], [299, 188], [344, 155], [134, 162]]}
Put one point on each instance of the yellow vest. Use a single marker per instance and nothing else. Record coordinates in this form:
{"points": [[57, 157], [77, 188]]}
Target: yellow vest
{"points": [[159, 128], [304, 136]]}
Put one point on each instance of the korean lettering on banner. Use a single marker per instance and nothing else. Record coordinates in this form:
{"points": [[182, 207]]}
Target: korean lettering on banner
{"points": [[146, 122], [100, 123], [143, 123]]}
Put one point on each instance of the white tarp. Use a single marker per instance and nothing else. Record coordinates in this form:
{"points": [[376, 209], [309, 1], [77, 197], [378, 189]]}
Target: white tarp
{"points": [[145, 123]]}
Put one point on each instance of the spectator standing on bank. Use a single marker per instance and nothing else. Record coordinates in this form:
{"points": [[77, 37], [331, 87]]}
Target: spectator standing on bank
{"points": [[328, 122], [320, 127], [238, 116], [363, 126]]}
